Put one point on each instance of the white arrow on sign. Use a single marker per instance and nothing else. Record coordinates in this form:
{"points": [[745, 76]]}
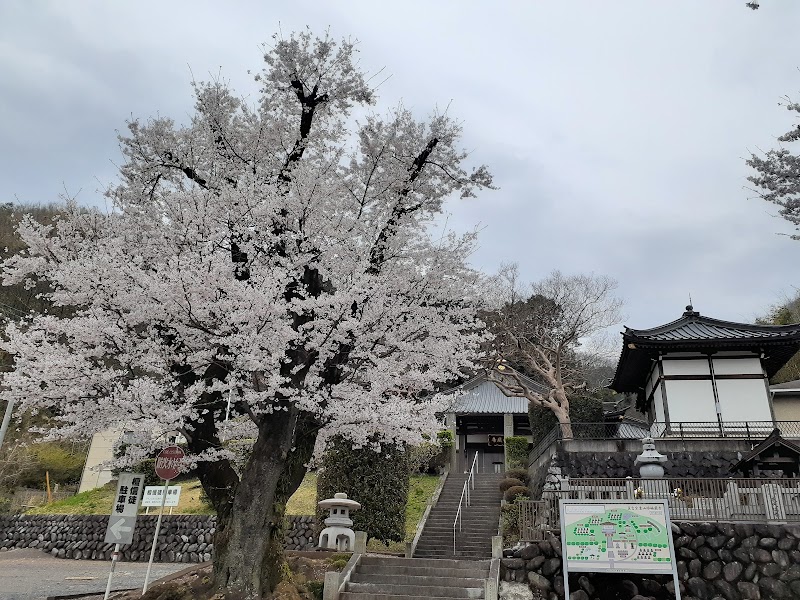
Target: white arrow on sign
{"points": [[118, 528]]}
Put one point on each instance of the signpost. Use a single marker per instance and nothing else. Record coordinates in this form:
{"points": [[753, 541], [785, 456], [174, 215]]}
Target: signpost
{"points": [[617, 536], [169, 463], [122, 521]]}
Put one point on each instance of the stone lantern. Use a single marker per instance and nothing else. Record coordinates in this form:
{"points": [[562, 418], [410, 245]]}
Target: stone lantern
{"points": [[651, 471], [338, 535], [650, 461]]}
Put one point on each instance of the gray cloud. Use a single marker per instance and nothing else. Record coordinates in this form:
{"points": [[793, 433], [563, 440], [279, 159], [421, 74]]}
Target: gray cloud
{"points": [[616, 130]]}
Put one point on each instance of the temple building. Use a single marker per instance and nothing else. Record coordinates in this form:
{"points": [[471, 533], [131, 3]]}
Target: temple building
{"points": [[481, 417], [701, 374]]}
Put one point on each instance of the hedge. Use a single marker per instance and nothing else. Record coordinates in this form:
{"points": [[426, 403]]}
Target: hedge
{"points": [[582, 409], [517, 452], [378, 480]]}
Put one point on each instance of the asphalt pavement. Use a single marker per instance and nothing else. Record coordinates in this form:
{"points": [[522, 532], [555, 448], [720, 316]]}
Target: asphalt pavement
{"points": [[30, 574]]}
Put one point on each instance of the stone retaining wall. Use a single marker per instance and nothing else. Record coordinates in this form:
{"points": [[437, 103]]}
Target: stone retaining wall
{"points": [[614, 458], [715, 560], [183, 538]]}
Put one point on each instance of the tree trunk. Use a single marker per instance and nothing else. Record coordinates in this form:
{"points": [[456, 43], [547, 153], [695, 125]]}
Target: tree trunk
{"points": [[248, 544], [564, 421]]}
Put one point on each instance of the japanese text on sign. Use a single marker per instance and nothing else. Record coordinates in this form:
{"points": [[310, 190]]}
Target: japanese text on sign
{"points": [[128, 496], [153, 494]]}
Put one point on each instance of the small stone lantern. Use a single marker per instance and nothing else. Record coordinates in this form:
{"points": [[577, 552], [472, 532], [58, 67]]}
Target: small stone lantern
{"points": [[650, 460], [338, 535]]}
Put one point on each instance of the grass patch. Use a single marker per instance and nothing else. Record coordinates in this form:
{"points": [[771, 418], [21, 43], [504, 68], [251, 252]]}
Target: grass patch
{"points": [[99, 501], [93, 502], [304, 500], [420, 490]]}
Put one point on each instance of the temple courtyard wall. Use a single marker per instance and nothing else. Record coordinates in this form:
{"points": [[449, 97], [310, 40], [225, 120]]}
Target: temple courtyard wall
{"points": [[183, 538], [714, 560]]}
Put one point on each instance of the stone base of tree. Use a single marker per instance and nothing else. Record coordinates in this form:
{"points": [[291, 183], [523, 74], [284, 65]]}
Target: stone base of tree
{"points": [[183, 538], [731, 561]]}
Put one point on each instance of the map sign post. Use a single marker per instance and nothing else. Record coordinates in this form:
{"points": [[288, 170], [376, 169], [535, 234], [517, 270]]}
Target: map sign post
{"points": [[122, 521], [617, 536], [169, 464]]}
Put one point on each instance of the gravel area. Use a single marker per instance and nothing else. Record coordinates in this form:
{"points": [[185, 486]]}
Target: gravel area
{"points": [[31, 574]]}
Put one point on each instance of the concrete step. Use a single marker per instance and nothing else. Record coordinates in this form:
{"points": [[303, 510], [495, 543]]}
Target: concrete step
{"points": [[415, 580], [398, 561], [416, 591], [443, 555], [370, 596], [478, 545]]}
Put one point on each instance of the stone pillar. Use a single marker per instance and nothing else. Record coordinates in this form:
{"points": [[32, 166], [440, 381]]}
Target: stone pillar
{"points": [[360, 546], [773, 502], [330, 591], [508, 431], [450, 421], [497, 546]]}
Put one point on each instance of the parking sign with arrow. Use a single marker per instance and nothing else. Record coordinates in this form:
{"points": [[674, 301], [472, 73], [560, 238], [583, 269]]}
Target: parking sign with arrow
{"points": [[122, 521]]}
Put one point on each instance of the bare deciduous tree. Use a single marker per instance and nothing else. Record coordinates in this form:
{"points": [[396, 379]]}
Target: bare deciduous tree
{"points": [[539, 329]]}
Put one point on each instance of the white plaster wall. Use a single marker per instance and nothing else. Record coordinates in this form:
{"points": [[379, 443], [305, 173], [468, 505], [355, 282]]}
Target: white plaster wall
{"points": [[737, 366], [743, 399], [691, 401], [787, 407], [100, 450], [685, 367]]}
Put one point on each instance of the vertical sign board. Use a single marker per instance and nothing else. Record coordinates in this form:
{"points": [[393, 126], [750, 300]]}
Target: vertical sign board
{"points": [[617, 536], [122, 521]]}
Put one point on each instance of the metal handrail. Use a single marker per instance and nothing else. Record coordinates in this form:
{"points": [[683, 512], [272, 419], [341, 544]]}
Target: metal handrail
{"points": [[465, 492], [752, 431], [692, 499]]}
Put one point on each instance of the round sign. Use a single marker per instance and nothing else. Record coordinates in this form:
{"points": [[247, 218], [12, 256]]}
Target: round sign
{"points": [[169, 462]]}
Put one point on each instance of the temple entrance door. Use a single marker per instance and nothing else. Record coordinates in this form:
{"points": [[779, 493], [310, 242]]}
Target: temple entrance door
{"points": [[491, 459]]}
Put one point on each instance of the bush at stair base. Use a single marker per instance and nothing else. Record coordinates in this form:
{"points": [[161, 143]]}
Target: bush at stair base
{"points": [[511, 493], [510, 482], [521, 474]]}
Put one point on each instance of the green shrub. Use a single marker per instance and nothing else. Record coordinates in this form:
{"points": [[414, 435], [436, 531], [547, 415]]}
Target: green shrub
{"points": [[518, 490], [378, 480], [582, 409], [445, 438], [517, 452], [337, 565], [509, 523], [520, 474], [315, 588], [57, 459], [509, 483]]}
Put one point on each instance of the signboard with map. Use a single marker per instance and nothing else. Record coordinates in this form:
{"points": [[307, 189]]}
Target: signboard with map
{"points": [[617, 536]]}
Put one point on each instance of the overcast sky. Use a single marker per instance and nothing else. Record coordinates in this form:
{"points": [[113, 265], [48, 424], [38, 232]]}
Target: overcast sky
{"points": [[616, 130]]}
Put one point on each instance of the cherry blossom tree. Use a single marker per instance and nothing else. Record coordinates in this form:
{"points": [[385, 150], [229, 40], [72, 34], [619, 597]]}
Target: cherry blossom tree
{"points": [[541, 328], [778, 173], [269, 260]]}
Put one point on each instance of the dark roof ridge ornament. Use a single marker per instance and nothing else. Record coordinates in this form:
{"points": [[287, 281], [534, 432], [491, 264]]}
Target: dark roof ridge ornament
{"points": [[690, 311]]}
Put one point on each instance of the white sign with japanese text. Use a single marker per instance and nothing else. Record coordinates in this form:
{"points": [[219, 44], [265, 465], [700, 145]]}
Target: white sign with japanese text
{"points": [[122, 521], [153, 493]]}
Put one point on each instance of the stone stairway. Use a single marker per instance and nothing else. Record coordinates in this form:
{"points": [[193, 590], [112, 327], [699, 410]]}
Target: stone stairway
{"points": [[479, 520], [379, 578]]}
